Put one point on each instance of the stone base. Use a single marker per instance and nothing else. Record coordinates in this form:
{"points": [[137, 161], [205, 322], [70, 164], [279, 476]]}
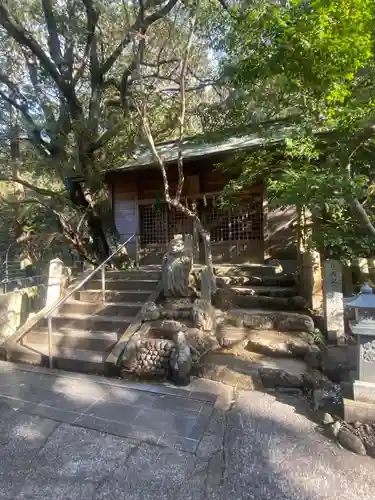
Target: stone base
{"points": [[358, 411], [364, 391]]}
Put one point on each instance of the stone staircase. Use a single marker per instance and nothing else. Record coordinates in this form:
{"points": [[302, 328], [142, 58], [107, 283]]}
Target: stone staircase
{"points": [[262, 309], [85, 329]]}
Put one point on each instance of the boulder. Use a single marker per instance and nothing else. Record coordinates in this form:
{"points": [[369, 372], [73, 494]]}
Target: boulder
{"points": [[279, 378], [150, 312], [327, 419], [314, 379], [313, 357], [224, 298], [297, 322], [201, 341], [170, 327], [339, 362], [276, 343], [259, 319], [230, 335], [351, 442], [180, 361]]}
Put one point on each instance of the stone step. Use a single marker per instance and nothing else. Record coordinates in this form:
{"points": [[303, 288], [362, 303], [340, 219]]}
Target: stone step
{"points": [[153, 273], [266, 291], [292, 303], [113, 296], [247, 270], [122, 284], [92, 322], [73, 338], [65, 358], [260, 319], [107, 309]]}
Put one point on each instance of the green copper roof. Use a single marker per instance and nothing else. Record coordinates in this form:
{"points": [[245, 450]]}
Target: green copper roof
{"points": [[198, 147]]}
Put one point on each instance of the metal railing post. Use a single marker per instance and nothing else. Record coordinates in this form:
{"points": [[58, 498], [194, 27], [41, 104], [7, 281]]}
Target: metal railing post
{"points": [[137, 250], [103, 284], [50, 357]]}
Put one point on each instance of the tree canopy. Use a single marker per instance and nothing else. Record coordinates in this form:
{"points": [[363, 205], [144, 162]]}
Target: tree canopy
{"points": [[310, 66], [72, 74]]}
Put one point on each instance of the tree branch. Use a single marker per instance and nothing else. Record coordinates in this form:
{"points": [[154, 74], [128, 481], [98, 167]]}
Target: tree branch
{"points": [[53, 39], [25, 39], [141, 25], [44, 192], [35, 132], [180, 160]]}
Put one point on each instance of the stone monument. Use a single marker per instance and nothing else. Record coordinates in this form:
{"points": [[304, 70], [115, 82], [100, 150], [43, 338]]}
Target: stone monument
{"points": [[333, 299], [177, 265], [363, 406], [55, 275]]}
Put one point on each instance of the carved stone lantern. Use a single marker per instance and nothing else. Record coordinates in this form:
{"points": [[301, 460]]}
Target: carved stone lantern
{"points": [[364, 328]]}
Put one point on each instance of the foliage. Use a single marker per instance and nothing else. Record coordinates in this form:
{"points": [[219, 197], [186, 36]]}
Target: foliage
{"points": [[70, 74], [310, 66]]}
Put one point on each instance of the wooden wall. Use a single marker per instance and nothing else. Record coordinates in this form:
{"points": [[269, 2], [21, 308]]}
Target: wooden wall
{"points": [[144, 186]]}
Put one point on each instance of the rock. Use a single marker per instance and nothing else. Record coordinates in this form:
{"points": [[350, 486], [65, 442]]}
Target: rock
{"points": [[298, 303], [169, 327], [279, 378], [313, 357], [327, 419], [276, 343], [273, 320], [178, 303], [261, 302], [298, 322], [201, 341], [230, 336], [314, 379], [351, 442], [357, 424], [180, 361], [339, 362], [224, 298], [177, 265], [287, 280], [150, 312], [255, 281], [336, 428], [204, 315], [222, 281]]}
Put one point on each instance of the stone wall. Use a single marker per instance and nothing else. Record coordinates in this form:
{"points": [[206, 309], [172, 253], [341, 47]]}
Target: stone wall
{"points": [[16, 306]]}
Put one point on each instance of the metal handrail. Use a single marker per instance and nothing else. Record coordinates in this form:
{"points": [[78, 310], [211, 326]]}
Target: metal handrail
{"points": [[75, 289]]}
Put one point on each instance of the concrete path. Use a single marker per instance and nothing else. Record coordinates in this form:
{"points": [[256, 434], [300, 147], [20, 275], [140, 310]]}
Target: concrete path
{"points": [[67, 436]]}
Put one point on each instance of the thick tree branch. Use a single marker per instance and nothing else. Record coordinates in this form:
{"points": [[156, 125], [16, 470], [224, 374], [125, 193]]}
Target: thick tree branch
{"points": [[53, 38], [25, 39], [44, 192], [140, 26], [346, 158], [34, 131]]}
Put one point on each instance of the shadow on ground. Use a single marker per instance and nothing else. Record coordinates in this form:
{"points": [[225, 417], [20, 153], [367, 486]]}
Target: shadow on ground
{"points": [[263, 448]]}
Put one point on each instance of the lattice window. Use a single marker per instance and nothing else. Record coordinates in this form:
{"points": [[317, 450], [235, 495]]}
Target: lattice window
{"points": [[178, 223], [153, 224], [240, 224]]}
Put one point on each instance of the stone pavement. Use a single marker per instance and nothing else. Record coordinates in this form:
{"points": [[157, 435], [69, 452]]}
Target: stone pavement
{"points": [[68, 436]]}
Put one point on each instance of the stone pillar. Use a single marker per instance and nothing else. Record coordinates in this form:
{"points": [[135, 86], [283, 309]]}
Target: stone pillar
{"points": [[55, 278], [310, 274], [333, 300]]}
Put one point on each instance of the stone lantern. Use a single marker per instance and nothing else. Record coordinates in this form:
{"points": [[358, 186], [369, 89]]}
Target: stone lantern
{"points": [[363, 407]]}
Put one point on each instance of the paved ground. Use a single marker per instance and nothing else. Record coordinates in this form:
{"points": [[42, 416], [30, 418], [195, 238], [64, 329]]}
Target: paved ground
{"points": [[173, 444]]}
